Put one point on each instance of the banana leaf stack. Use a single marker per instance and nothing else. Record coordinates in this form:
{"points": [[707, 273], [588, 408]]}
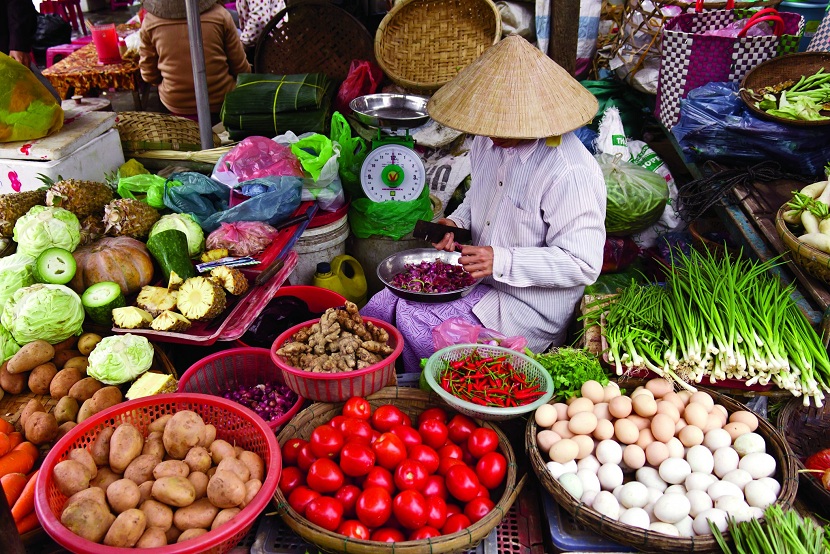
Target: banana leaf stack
{"points": [[270, 105]]}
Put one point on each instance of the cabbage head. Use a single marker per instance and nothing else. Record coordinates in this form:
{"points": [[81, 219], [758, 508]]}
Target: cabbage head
{"points": [[120, 358], [16, 272], [49, 312], [187, 225], [8, 347], [43, 227]]}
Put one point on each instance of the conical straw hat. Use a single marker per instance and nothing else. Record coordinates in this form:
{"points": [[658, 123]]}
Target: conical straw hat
{"points": [[513, 91]]}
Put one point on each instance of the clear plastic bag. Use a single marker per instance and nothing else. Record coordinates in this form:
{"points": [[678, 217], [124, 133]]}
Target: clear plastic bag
{"points": [[636, 197], [456, 330], [242, 238], [256, 157]]}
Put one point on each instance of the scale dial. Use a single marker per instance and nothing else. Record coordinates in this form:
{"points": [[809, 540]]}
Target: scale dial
{"points": [[392, 172]]}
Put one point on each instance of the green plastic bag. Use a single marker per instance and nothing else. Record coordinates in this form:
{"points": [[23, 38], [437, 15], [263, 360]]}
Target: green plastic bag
{"points": [[313, 152], [28, 110], [390, 219], [151, 185], [633, 105], [353, 150]]}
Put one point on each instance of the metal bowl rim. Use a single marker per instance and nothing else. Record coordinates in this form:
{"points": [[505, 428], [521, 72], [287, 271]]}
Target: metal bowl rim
{"points": [[460, 292]]}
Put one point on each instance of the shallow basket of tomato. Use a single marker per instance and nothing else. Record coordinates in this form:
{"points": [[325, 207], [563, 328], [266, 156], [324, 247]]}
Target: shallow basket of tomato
{"points": [[412, 402], [529, 370], [234, 423]]}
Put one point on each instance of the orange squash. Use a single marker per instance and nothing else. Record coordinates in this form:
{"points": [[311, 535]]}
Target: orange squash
{"points": [[123, 260]]}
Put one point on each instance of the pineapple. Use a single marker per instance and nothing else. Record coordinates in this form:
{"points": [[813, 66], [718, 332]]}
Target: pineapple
{"points": [[201, 298], [129, 217], [174, 282], [230, 279], [215, 254], [82, 198], [13, 206], [152, 383], [131, 318], [92, 229], [156, 299], [170, 321]]}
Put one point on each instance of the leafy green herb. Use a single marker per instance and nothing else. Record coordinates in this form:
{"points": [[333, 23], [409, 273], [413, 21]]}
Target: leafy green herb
{"points": [[569, 368]]}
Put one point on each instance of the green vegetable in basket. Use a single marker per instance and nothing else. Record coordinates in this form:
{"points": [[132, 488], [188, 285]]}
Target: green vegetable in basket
{"points": [[636, 197], [120, 358], [570, 368], [49, 312]]}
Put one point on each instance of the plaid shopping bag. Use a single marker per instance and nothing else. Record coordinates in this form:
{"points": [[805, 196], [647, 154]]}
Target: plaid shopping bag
{"points": [[690, 59], [821, 40]]}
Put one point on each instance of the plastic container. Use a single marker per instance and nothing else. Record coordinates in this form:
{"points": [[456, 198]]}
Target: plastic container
{"points": [[234, 423], [812, 14], [320, 244], [344, 275], [230, 369], [106, 43], [567, 535], [338, 387]]}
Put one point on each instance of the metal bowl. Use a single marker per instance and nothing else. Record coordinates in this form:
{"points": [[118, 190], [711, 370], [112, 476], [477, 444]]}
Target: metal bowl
{"points": [[394, 264], [392, 111]]}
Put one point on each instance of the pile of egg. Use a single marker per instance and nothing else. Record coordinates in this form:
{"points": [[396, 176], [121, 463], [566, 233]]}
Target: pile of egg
{"points": [[660, 460]]}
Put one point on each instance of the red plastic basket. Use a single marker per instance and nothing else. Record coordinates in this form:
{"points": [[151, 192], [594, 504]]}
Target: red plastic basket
{"points": [[338, 387], [234, 423]]}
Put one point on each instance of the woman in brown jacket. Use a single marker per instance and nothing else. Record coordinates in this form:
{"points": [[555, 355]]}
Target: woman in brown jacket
{"points": [[165, 54]]}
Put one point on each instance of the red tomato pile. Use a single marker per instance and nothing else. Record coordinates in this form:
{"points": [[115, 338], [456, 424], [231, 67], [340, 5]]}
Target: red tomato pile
{"points": [[374, 476]]}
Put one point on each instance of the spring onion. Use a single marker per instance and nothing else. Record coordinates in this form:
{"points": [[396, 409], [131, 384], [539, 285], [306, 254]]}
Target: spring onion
{"points": [[781, 532]]}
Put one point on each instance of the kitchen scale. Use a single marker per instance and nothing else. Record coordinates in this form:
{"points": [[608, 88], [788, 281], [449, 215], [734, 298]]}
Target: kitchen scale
{"points": [[392, 171]]}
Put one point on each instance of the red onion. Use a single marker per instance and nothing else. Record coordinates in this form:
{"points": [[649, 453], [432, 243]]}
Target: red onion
{"points": [[432, 277], [270, 401]]}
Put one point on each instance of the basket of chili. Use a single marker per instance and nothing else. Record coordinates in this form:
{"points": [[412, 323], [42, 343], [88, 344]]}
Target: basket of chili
{"points": [[488, 382]]}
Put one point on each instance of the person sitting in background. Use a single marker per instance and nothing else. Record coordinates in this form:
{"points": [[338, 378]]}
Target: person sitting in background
{"points": [[165, 56], [254, 15], [18, 22]]}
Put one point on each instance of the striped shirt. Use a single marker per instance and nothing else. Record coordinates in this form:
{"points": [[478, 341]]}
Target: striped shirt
{"points": [[542, 209]]}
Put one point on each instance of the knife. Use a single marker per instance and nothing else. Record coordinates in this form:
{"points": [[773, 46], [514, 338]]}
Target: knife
{"points": [[434, 232], [272, 269]]}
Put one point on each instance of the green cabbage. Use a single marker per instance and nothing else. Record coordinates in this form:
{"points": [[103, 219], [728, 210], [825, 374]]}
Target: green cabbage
{"points": [[49, 312], [16, 272], [8, 347], [43, 227], [187, 225], [120, 358]]}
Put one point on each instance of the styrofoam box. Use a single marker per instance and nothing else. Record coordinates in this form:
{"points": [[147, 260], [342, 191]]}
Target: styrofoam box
{"points": [[92, 161]]}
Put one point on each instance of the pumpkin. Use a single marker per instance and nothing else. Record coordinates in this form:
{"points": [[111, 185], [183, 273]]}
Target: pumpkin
{"points": [[123, 260]]}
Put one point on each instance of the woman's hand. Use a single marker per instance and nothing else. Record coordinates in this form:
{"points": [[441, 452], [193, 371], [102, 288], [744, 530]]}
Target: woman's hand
{"points": [[448, 242], [478, 260]]}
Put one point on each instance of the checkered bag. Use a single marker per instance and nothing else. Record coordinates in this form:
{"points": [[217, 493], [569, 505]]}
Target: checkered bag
{"points": [[690, 59], [821, 40]]}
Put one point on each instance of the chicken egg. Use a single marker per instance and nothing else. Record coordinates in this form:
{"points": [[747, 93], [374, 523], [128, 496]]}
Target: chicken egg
{"points": [[716, 438], [604, 430], [609, 391], [601, 410], [679, 426], [645, 438], [656, 453], [545, 439], [747, 418], [583, 423], [620, 406], [593, 391], [684, 396], [545, 415], [736, 429], [585, 444], [561, 428], [580, 405], [722, 411], [675, 399], [696, 415], [666, 407], [662, 427], [713, 421], [626, 431], [675, 447], [639, 421], [690, 436], [634, 457], [609, 452], [659, 387], [561, 411], [704, 400], [641, 390], [564, 451], [644, 405]]}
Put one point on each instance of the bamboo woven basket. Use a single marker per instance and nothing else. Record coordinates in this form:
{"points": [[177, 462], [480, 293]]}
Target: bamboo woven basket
{"points": [[141, 131], [422, 44], [807, 430], [650, 541], [813, 261], [412, 402]]}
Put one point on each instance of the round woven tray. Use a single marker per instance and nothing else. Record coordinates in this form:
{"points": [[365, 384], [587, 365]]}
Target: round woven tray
{"points": [[412, 402], [422, 44], [140, 131], [813, 261], [650, 541]]}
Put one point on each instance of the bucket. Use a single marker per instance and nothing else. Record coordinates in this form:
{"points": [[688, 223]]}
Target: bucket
{"points": [[320, 244], [812, 14]]}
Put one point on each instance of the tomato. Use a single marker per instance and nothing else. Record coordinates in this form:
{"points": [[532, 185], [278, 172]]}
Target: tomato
{"points": [[433, 432], [356, 459], [467, 458], [386, 417], [300, 497], [408, 435], [358, 408], [390, 450], [483, 492], [337, 422], [446, 463], [410, 509], [387, 534], [354, 529], [375, 436], [305, 458], [460, 427], [290, 450], [491, 469], [425, 532], [426, 455], [461, 481], [357, 430], [324, 476], [453, 509], [324, 511], [374, 506], [326, 442], [450, 451], [291, 478], [481, 441], [347, 495], [436, 512], [432, 413], [435, 486], [410, 475], [477, 508], [406, 420], [455, 523]]}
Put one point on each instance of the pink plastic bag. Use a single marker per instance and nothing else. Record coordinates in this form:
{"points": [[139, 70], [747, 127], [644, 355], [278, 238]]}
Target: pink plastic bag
{"points": [[242, 238], [364, 78], [256, 157], [456, 330]]}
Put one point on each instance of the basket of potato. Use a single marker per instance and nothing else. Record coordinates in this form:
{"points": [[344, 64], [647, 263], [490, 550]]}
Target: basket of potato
{"points": [[175, 473]]}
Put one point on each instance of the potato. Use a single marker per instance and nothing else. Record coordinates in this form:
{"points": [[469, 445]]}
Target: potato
{"points": [[41, 376], [153, 537], [83, 456], [226, 490], [191, 534], [172, 534], [198, 459], [171, 468], [200, 483], [146, 490], [85, 388], [154, 446], [88, 519], [174, 491], [141, 468], [184, 430], [251, 489], [63, 381], [125, 446], [70, 477], [66, 410], [12, 384], [64, 356], [158, 514], [30, 356], [85, 412], [126, 529], [123, 495], [92, 493], [223, 517], [219, 450], [64, 429], [106, 397], [159, 424], [254, 463], [32, 406], [198, 515], [40, 428], [210, 472], [87, 342], [237, 450], [67, 344], [100, 447], [105, 478], [78, 362], [235, 466], [210, 436]]}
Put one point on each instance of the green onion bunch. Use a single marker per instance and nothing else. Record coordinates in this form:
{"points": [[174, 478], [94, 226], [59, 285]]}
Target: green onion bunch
{"points": [[781, 532]]}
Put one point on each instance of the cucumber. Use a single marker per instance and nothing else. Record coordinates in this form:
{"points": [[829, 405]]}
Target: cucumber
{"points": [[55, 266], [169, 248], [101, 299]]}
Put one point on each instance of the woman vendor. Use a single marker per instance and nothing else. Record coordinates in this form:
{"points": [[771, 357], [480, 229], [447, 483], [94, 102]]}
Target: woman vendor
{"points": [[536, 205]]}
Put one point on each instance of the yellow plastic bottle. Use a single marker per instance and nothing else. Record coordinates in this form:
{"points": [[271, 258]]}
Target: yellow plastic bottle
{"points": [[343, 275]]}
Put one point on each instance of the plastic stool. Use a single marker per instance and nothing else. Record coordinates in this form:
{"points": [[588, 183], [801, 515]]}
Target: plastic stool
{"points": [[63, 50], [83, 41], [76, 15]]}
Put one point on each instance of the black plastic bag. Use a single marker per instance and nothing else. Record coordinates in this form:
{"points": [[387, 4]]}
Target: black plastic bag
{"points": [[51, 30]]}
